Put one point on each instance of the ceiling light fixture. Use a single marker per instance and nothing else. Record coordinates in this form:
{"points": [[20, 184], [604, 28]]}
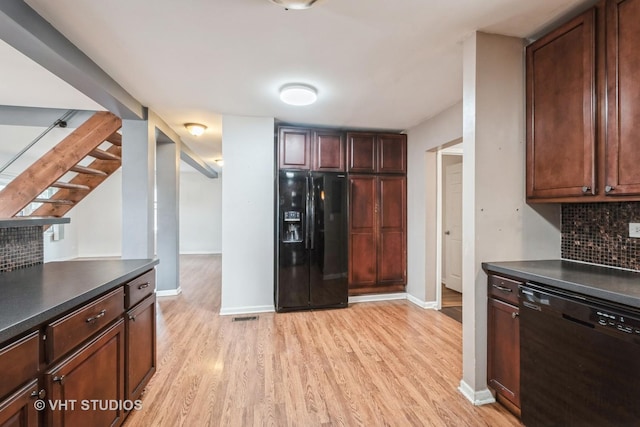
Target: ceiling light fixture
{"points": [[298, 94], [195, 129], [220, 162], [294, 4]]}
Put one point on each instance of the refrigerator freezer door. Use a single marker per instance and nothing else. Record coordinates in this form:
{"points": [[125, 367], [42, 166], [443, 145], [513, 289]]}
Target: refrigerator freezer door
{"points": [[292, 281], [328, 241]]}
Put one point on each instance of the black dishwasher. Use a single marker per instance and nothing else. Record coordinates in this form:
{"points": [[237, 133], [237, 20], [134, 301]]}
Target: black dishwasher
{"points": [[580, 360]]}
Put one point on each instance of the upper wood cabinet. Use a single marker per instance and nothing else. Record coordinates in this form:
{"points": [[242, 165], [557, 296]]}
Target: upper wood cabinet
{"points": [[392, 153], [328, 151], [307, 149], [583, 106], [623, 97], [376, 153], [294, 150], [561, 112]]}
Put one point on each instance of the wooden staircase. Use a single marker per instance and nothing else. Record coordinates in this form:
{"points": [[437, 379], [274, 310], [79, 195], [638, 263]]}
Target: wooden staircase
{"points": [[66, 157]]}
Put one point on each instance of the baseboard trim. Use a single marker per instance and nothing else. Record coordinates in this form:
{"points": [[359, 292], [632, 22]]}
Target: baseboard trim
{"points": [[478, 398], [247, 310], [427, 305], [169, 292], [377, 297], [200, 253]]}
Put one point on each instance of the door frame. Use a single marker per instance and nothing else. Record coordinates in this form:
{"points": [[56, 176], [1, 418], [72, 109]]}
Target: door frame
{"points": [[452, 148]]}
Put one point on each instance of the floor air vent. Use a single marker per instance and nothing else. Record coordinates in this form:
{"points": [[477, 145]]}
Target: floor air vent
{"points": [[244, 318]]}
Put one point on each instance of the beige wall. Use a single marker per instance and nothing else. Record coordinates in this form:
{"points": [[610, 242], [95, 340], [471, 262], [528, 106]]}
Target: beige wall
{"points": [[439, 130], [498, 224]]}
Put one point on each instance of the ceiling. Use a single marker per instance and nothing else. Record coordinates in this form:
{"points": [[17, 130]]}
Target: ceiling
{"points": [[376, 63]]}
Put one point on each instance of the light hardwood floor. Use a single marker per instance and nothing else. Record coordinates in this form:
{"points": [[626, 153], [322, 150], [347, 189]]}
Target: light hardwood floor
{"points": [[372, 364], [450, 298]]}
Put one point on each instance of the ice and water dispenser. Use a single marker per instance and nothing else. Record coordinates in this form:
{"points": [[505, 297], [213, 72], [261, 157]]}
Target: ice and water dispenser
{"points": [[292, 227]]}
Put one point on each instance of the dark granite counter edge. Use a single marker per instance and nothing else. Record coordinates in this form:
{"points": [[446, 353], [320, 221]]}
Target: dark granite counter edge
{"points": [[31, 221], [28, 325], [564, 285]]}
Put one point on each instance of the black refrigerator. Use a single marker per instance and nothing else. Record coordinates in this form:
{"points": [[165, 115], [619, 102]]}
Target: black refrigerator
{"points": [[311, 257]]}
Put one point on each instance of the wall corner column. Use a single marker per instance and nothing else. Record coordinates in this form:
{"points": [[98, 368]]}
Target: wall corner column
{"points": [[138, 184]]}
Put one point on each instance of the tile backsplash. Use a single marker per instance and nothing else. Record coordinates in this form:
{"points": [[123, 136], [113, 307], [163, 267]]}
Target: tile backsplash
{"points": [[20, 247], [599, 233]]}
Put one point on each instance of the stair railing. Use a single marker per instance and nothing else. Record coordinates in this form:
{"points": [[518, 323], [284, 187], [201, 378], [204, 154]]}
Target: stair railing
{"points": [[61, 122]]}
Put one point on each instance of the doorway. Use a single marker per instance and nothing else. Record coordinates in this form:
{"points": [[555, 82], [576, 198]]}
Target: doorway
{"points": [[450, 207]]}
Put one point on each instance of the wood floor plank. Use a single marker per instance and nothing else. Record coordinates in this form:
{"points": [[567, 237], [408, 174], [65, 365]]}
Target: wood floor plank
{"points": [[373, 364]]}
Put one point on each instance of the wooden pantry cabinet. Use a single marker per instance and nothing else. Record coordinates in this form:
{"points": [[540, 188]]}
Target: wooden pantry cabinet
{"points": [[583, 99], [377, 234]]}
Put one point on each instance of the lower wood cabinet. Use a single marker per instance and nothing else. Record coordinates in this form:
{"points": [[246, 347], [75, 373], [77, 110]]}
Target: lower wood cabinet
{"points": [[18, 410], [377, 233], [97, 360], [89, 383], [141, 346], [503, 341]]}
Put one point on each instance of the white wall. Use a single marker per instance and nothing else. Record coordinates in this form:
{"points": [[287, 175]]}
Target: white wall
{"points": [[64, 249], [98, 220], [498, 225], [247, 214], [421, 203], [200, 214]]}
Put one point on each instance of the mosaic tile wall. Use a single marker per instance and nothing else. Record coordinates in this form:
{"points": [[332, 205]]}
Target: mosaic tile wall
{"points": [[20, 247], [599, 233]]}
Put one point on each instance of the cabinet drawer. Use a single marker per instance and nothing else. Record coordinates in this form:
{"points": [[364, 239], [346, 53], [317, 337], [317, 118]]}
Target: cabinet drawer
{"points": [[139, 288], [20, 362], [504, 289], [66, 333]]}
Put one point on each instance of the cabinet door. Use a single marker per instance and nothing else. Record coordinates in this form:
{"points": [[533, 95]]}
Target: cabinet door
{"points": [[504, 350], [294, 148], [392, 153], [93, 373], [328, 151], [623, 98], [561, 111], [392, 258], [361, 152], [18, 410], [141, 346], [362, 231]]}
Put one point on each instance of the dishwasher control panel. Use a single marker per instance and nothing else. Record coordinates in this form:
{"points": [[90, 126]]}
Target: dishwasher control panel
{"points": [[617, 321]]}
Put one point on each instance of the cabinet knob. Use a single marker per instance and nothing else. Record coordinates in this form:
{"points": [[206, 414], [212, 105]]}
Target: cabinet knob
{"points": [[608, 189], [39, 394], [59, 379], [586, 189], [514, 315], [447, 232]]}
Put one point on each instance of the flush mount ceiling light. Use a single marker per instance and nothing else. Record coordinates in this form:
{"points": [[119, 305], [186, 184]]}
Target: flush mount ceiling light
{"points": [[195, 129], [298, 94], [219, 162], [294, 4]]}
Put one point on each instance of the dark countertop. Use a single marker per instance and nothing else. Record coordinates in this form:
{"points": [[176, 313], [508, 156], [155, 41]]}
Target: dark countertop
{"points": [[611, 284], [31, 221], [31, 296]]}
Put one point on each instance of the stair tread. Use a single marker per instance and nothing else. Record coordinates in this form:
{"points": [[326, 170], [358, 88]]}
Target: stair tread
{"points": [[70, 186], [88, 171], [54, 201], [115, 138], [103, 155]]}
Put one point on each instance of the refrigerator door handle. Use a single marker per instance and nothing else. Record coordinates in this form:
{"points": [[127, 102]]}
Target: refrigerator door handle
{"points": [[306, 214], [312, 219]]}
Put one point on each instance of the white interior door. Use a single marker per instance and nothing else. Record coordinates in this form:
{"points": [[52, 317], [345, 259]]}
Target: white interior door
{"points": [[453, 227]]}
